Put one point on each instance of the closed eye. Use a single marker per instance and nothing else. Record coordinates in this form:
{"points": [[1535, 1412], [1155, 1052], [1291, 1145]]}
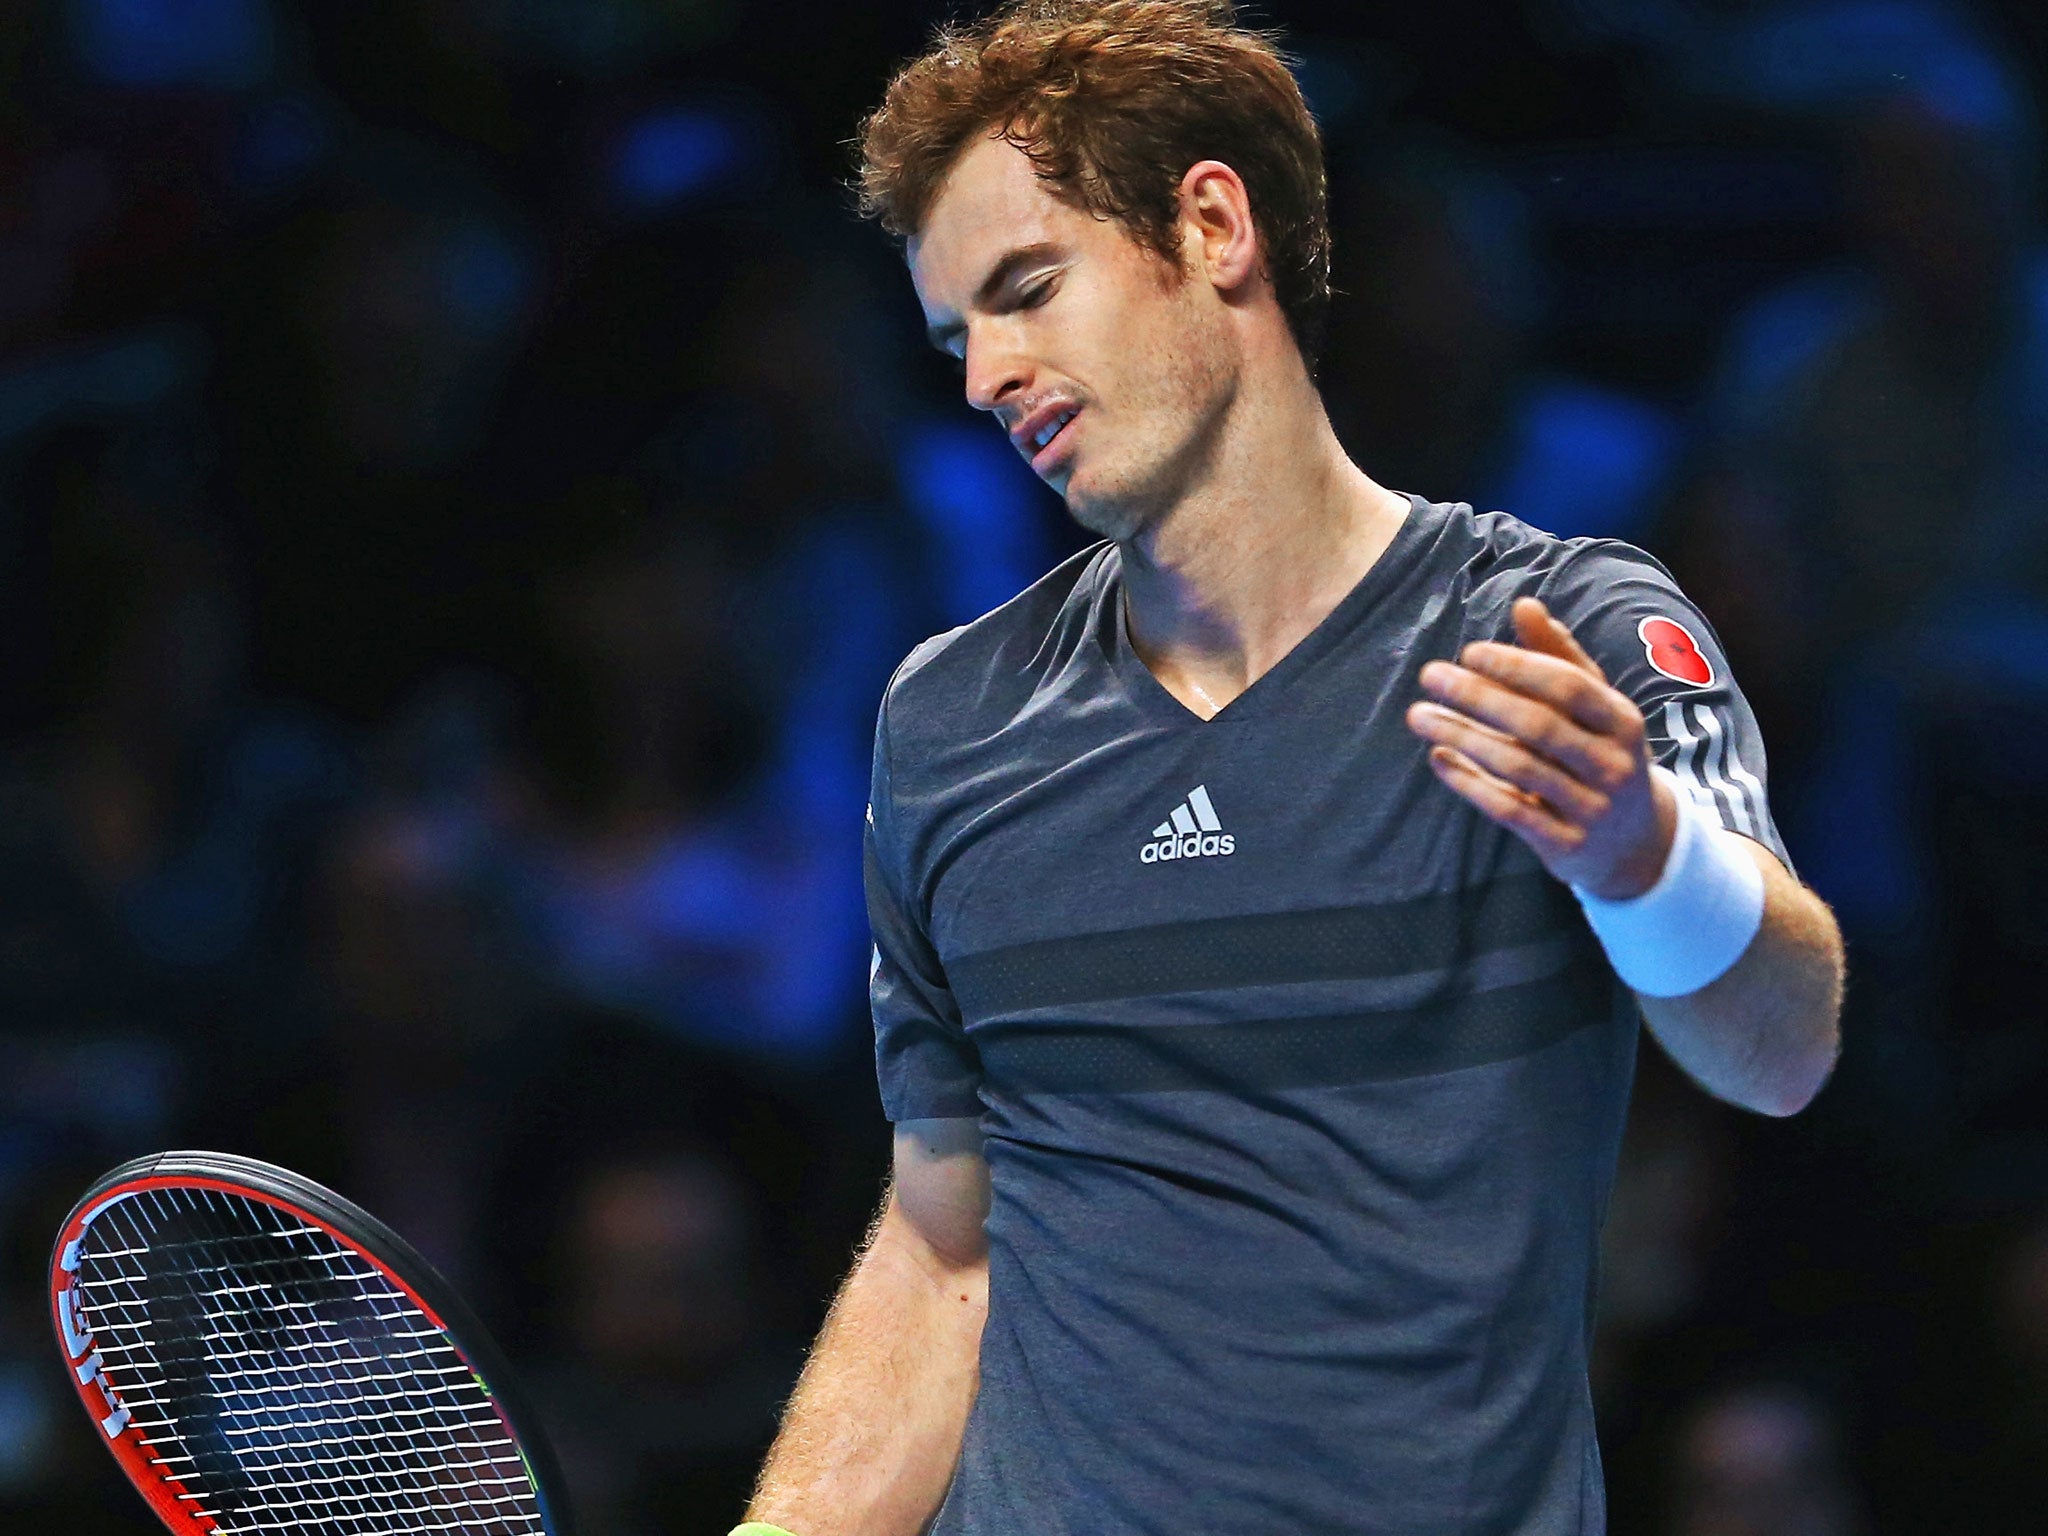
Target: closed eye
{"points": [[1037, 293]]}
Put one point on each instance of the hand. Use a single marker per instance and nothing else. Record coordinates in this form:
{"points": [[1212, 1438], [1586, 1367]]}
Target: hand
{"points": [[1535, 737]]}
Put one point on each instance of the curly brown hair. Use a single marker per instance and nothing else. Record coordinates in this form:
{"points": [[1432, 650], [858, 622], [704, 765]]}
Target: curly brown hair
{"points": [[1113, 100]]}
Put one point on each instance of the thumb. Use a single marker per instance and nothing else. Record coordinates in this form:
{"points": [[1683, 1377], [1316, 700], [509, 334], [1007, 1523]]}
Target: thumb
{"points": [[1538, 630]]}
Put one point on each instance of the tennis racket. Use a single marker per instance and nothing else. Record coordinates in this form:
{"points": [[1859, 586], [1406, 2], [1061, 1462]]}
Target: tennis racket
{"points": [[262, 1356]]}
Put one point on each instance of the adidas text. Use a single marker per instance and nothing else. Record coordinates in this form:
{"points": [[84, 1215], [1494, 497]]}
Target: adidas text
{"points": [[1191, 832], [1196, 845]]}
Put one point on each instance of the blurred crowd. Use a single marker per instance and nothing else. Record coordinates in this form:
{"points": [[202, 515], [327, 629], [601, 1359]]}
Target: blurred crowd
{"points": [[465, 479]]}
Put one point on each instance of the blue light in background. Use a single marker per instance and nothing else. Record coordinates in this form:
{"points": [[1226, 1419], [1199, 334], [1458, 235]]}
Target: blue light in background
{"points": [[677, 153], [1330, 84], [975, 496], [28, 1426], [140, 368], [1832, 51], [486, 277], [279, 141], [223, 44], [1587, 460]]}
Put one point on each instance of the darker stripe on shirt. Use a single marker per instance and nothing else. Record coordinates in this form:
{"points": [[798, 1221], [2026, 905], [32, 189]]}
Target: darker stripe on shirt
{"points": [[1471, 1029], [1395, 938]]}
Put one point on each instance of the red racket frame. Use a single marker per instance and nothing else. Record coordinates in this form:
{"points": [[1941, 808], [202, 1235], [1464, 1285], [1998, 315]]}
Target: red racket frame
{"points": [[101, 1397]]}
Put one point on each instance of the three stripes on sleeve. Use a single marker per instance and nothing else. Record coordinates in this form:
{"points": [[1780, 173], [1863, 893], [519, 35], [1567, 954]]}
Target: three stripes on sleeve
{"points": [[1712, 772]]}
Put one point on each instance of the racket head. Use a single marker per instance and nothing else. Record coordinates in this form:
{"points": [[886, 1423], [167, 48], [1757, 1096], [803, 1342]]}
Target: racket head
{"points": [[260, 1354]]}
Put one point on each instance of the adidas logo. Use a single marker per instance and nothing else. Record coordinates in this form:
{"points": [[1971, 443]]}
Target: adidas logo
{"points": [[1191, 832]]}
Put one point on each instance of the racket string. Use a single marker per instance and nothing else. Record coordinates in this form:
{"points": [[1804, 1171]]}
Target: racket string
{"points": [[203, 1218], [388, 1306], [380, 1476], [319, 1409]]}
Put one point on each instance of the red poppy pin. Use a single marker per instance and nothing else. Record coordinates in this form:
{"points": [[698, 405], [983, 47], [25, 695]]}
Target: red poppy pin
{"points": [[1673, 651]]}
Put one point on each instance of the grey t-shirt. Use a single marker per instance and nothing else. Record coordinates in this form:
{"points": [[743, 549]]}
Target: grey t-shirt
{"points": [[1302, 1082]]}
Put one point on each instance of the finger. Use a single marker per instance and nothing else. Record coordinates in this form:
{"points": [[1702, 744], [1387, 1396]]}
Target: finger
{"points": [[1541, 630], [1602, 762], [1503, 804], [1578, 695], [1508, 760], [1562, 684]]}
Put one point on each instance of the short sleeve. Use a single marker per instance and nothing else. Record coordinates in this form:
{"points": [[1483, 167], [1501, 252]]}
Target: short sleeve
{"points": [[1659, 649], [925, 1065]]}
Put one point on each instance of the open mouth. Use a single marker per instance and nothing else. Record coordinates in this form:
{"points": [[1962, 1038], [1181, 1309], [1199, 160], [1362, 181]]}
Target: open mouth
{"points": [[1048, 436], [1053, 428]]}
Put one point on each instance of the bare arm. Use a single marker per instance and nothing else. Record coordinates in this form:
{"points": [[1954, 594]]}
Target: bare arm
{"points": [[1535, 737], [1764, 1034], [870, 1437]]}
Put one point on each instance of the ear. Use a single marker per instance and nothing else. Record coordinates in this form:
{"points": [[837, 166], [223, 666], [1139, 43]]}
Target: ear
{"points": [[1217, 233]]}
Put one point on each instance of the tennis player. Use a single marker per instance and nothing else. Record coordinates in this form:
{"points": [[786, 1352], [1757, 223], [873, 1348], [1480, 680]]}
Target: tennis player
{"points": [[1267, 901]]}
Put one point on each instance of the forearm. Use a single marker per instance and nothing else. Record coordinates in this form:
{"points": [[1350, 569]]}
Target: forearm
{"points": [[1535, 737], [870, 1438], [1765, 1033]]}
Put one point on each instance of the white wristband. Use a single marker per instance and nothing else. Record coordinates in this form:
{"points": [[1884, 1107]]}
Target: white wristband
{"points": [[1698, 918]]}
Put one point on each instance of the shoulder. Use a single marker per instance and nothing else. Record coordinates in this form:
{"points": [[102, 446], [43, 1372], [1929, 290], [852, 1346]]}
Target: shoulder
{"points": [[972, 680], [1488, 559], [1605, 591], [1583, 571], [1483, 561]]}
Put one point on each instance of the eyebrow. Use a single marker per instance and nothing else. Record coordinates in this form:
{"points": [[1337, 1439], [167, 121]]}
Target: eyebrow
{"points": [[1005, 268]]}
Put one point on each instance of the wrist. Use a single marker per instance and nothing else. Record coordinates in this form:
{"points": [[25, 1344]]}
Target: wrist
{"points": [[1696, 918], [1643, 868]]}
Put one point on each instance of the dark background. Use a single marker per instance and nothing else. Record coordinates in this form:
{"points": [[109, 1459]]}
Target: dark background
{"points": [[465, 477]]}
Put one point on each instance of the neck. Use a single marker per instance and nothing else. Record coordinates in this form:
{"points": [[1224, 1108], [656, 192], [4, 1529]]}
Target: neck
{"points": [[1245, 564]]}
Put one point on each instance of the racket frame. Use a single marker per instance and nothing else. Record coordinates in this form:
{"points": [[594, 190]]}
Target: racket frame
{"points": [[394, 1258]]}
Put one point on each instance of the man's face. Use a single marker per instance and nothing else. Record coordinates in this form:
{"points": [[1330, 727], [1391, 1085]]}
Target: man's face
{"points": [[1107, 367]]}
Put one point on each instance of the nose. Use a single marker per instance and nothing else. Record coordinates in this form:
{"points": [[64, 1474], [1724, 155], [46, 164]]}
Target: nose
{"points": [[996, 371]]}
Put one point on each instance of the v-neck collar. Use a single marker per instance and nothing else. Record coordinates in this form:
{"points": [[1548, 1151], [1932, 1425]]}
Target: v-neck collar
{"points": [[1152, 696]]}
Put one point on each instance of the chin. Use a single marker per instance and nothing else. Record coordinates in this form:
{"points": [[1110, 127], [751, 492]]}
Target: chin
{"points": [[1114, 512], [1106, 517]]}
